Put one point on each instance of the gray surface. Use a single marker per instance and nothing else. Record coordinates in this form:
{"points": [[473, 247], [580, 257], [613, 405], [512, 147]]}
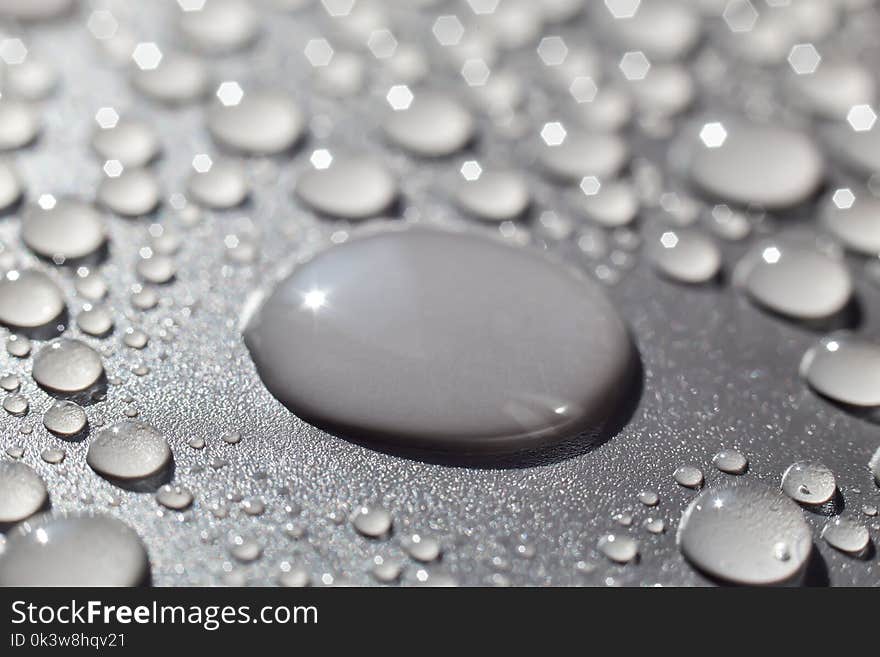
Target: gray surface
{"points": [[717, 371]]}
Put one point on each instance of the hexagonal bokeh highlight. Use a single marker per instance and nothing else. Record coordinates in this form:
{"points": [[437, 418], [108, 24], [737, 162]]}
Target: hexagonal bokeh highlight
{"points": [[623, 8], [861, 117], [553, 133], [147, 56], [399, 97], [804, 58], [552, 50], [740, 15], [713, 135], [634, 65], [448, 30], [230, 93]]}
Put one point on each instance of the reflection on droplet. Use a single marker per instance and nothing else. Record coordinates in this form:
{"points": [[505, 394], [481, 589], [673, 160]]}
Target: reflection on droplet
{"points": [[809, 483], [498, 398], [73, 551], [745, 533]]}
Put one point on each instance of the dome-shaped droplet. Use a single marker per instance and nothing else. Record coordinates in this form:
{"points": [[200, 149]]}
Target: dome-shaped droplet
{"points": [[35, 10], [494, 196], [352, 187], [847, 536], [809, 483], [129, 450], [73, 551], [65, 418], [66, 365], [662, 29], [10, 186], [793, 278], [95, 321], [614, 205], [833, 88], [874, 466], [434, 125], [69, 230], [851, 216], [133, 193], [730, 461], [686, 256], [751, 163], [378, 311], [619, 547], [583, 154], [174, 497], [29, 299], [845, 368], [222, 186], [373, 522], [220, 26], [22, 492], [263, 123], [132, 143], [664, 92], [178, 79], [689, 476], [32, 80], [19, 124], [424, 549], [745, 533]]}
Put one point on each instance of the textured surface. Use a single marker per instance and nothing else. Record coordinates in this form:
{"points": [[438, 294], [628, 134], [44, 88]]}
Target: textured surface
{"points": [[717, 372]]}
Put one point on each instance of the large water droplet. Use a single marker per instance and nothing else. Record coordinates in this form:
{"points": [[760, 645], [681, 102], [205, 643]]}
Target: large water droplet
{"points": [[851, 217], [22, 492], [752, 163], [583, 154], [745, 533], [809, 483], [29, 299], [131, 143], [369, 188], [129, 450], [65, 418], [69, 230], [440, 357], [178, 79], [792, 278], [133, 193], [434, 125], [261, 124], [73, 551], [846, 536], [494, 196], [66, 365], [686, 256], [845, 368]]}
